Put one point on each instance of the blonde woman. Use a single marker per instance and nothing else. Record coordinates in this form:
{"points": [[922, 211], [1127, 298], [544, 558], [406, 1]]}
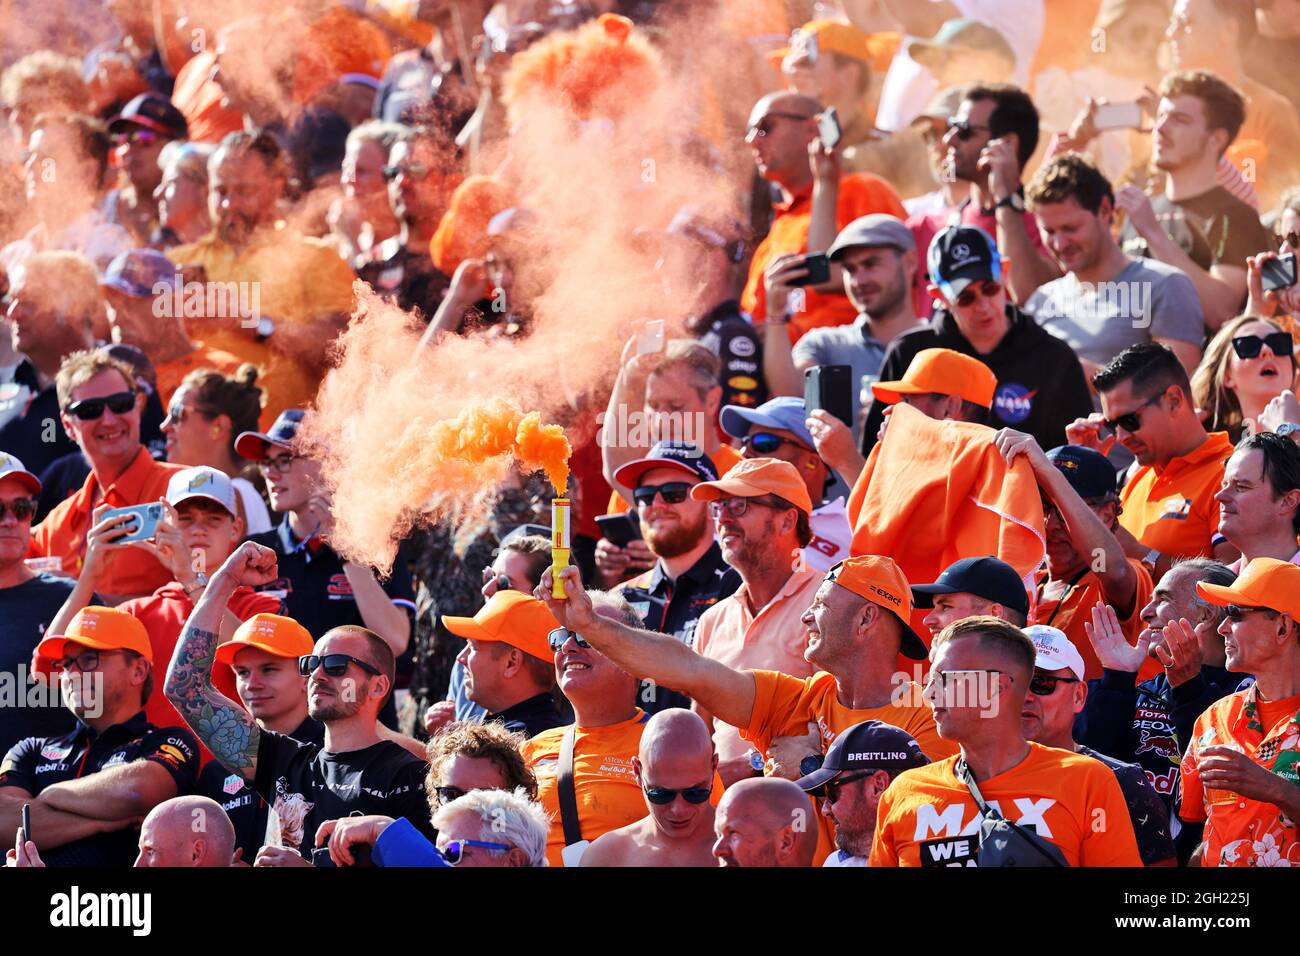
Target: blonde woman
{"points": [[1248, 362]]}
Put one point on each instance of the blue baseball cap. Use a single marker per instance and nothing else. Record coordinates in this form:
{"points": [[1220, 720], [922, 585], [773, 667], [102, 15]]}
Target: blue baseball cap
{"points": [[139, 272], [1087, 470], [869, 745], [960, 255], [682, 455], [786, 413], [253, 445]]}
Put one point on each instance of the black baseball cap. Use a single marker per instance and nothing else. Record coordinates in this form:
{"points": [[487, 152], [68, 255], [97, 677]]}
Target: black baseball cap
{"points": [[153, 112], [988, 577], [960, 255], [1087, 470], [253, 445], [870, 745], [683, 455]]}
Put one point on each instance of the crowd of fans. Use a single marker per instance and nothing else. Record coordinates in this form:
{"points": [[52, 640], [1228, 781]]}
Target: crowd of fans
{"points": [[965, 530]]}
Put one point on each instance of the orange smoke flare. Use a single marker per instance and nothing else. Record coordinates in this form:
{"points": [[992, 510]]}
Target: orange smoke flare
{"points": [[483, 432]]}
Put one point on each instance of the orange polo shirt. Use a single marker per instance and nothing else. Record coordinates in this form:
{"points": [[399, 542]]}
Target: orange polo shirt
{"points": [[1172, 509], [860, 195], [785, 705], [928, 817], [129, 572], [1240, 831], [1075, 606], [773, 640]]}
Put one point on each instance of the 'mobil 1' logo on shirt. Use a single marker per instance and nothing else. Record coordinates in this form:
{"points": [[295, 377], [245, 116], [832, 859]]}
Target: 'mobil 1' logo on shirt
{"points": [[1013, 402]]}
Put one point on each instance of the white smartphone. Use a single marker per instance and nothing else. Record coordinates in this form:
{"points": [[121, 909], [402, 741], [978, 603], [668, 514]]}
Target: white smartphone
{"points": [[650, 340], [1117, 116]]}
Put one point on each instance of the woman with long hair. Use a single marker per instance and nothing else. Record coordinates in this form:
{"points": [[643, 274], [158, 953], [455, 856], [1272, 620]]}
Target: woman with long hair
{"points": [[1248, 362]]}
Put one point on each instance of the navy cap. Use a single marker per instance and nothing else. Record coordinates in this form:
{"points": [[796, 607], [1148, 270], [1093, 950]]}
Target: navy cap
{"points": [[252, 445], [960, 255], [682, 455], [140, 272], [988, 577], [870, 745], [154, 112], [786, 413], [1087, 470]]}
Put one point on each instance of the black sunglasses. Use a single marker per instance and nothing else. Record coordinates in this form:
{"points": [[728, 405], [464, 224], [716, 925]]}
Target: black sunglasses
{"points": [[764, 128], [988, 288], [1249, 346], [661, 796], [557, 637], [964, 129], [1237, 612], [674, 493], [765, 443], [448, 794], [1132, 421], [335, 665], [1044, 685], [831, 788], [22, 508], [1291, 239], [410, 171], [89, 409]]}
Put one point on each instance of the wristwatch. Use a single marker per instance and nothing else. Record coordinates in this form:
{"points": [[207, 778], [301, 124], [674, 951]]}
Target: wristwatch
{"points": [[200, 581], [265, 326], [1287, 430], [1149, 560], [1015, 201], [810, 764]]}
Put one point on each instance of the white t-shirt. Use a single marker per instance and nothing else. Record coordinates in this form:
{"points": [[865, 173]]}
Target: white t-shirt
{"points": [[255, 513], [831, 536], [840, 858]]}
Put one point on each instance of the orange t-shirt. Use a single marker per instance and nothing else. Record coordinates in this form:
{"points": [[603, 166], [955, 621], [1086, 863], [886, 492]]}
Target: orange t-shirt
{"points": [[171, 374], [1075, 607], [928, 817], [860, 195], [785, 705], [1238, 831], [724, 459], [1172, 509], [130, 572]]}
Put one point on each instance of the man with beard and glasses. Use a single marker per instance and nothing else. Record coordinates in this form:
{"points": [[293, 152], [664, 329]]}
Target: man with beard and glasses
{"points": [[690, 576], [350, 675]]}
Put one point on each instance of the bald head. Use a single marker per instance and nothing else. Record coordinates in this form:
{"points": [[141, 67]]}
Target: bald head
{"points": [[765, 822], [672, 733], [781, 125], [787, 102], [186, 831]]}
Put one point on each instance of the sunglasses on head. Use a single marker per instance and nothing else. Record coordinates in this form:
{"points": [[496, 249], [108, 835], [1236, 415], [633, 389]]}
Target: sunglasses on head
{"points": [[1132, 421], [663, 796], [335, 665], [557, 637], [964, 129], [673, 493], [22, 508], [1044, 685], [1249, 346], [1237, 612], [765, 443], [988, 288], [454, 851], [89, 409]]}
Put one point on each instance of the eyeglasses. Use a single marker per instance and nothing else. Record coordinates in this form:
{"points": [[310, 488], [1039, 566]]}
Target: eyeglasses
{"points": [[1290, 239], [764, 443], [448, 794], [89, 409], [409, 170], [85, 661], [1044, 685], [1249, 346], [22, 508], [1132, 421], [278, 463], [964, 129], [454, 851], [335, 665], [662, 796], [178, 413], [763, 128], [557, 637], [831, 788], [972, 292], [673, 493], [137, 137], [503, 581], [1237, 612], [737, 507]]}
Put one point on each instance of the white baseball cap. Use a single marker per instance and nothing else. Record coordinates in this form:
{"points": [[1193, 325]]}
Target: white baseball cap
{"points": [[11, 467], [1053, 650], [202, 482]]}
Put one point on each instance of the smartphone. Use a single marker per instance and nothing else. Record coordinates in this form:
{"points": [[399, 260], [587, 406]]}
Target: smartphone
{"points": [[829, 388], [1278, 273], [1117, 116], [27, 822], [828, 128], [144, 525], [819, 270], [620, 529], [321, 857], [650, 340]]}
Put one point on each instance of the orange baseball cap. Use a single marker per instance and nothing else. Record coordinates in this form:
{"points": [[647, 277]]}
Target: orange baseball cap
{"points": [[825, 36], [1264, 582], [754, 477], [102, 628], [273, 633], [881, 581], [942, 372], [513, 618]]}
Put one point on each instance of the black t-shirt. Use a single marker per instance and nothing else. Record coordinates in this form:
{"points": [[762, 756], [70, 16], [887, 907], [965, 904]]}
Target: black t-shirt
{"points": [[1147, 811], [530, 717], [307, 785], [406, 277], [36, 437], [247, 810], [729, 334], [34, 763], [29, 707], [1214, 227]]}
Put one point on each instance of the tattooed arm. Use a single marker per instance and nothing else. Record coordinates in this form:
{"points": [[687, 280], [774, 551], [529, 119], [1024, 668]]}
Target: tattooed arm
{"points": [[223, 725]]}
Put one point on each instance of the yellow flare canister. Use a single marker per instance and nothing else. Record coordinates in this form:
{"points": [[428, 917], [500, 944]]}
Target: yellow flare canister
{"points": [[560, 544]]}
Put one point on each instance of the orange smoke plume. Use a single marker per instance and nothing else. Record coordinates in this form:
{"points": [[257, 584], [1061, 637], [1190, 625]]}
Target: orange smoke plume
{"points": [[482, 432]]}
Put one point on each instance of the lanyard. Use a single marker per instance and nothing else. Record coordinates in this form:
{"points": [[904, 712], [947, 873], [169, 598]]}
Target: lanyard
{"points": [[1074, 582]]}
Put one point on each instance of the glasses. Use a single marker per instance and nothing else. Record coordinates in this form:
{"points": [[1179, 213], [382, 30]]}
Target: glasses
{"points": [[764, 443], [737, 507], [89, 409], [278, 463], [21, 508], [410, 171], [137, 137], [1291, 240], [1249, 346], [831, 789], [1131, 421], [503, 581], [557, 637], [673, 493], [1044, 685], [85, 661], [964, 129], [448, 794], [454, 851], [662, 796], [335, 665], [1237, 612], [763, 128], [178, 413], [972, 292]]}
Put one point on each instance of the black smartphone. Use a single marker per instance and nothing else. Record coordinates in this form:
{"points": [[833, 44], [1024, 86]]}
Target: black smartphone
{"points": [[321, 857], [829, 388], [27, 822], [621, 529], [1278, 273], [819, 270]]}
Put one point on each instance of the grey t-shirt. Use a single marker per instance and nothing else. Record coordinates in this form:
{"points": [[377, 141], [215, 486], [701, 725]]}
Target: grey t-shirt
{"points": [[1148, 300], [851, 345]]}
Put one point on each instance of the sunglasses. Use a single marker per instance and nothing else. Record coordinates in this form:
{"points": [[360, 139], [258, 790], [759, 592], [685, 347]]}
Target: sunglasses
{"points": [[964, 129], [1237, 612], [137, 137], [674, 493], [1132, 421], [454, 851], [831, 788], [335, 665], [557, 637], [410, 171], [763, 128], [970, 295], [1044, 685], [1290, 239], [89, 409], [1249, 346], [765, 443], [448, 794], [662, 796], [279, 463], [21, 508]]}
